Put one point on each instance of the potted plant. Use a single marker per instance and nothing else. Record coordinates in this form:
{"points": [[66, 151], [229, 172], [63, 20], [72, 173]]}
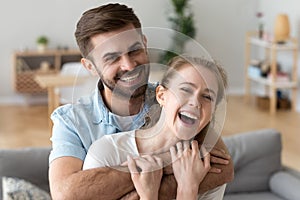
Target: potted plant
{"points": [[182, 21], [42, 43]]}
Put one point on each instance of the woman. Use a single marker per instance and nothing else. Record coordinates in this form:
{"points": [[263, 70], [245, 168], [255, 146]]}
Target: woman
{"points": [[188, 94]]}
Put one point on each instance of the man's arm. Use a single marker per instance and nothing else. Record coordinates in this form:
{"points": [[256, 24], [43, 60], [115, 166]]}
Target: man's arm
{"points": [[213, 180], [69, 181]]}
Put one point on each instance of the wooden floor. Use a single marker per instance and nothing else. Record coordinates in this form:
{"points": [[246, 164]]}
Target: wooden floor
{"points": [[28, 126]]}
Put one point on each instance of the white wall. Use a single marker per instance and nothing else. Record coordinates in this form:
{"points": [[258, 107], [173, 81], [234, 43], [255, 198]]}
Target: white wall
{"points": [[221, 27], [23, 21], [292, 9]]}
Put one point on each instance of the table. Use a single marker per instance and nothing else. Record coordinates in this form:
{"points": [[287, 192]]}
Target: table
{"points": [[52, 81]]}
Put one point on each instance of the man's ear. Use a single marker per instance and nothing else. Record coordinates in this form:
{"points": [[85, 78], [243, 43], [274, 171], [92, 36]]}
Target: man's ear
{"points": [[88, 65], [145, 41], [160, 95]]}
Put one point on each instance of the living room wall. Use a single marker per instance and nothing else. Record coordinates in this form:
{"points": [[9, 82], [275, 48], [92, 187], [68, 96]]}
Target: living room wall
{"points": [[221, 27], [23, 21]]}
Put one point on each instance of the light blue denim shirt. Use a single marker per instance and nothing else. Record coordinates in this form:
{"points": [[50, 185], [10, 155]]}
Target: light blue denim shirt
{"points": [[77, 126]]}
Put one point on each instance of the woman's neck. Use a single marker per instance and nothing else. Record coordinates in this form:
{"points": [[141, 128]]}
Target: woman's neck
{"points": [[155, 140]]}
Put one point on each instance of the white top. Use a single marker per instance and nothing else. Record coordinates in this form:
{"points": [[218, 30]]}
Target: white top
{"points": [[112, 150]]}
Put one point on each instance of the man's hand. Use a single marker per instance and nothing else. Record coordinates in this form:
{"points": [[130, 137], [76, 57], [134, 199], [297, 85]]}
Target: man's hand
{"points": [[222, 172], [133, 195], [218, 156]]}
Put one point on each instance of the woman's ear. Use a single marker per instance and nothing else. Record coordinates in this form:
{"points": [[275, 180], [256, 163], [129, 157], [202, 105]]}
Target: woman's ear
{"points": [[160, 95], [88, 65]]}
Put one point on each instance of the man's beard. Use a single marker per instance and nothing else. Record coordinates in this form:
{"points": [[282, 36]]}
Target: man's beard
{"points": [[135, 91]]}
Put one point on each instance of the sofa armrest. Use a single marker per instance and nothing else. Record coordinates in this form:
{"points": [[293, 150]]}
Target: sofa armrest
{"points": [[256, 156], [286, 183], [30, 164]]}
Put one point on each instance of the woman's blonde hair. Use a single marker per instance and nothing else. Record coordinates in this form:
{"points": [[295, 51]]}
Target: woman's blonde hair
{"points": [[178, 62]]}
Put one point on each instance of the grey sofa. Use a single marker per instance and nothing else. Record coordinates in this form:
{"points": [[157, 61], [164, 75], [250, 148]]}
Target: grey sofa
{"points": [[258, 171], [256, 155]]}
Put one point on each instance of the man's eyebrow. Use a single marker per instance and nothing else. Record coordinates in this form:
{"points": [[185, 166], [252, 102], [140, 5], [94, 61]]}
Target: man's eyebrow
{"points": [[111, 54], [117, 53], [135, 45], [195, 86]]}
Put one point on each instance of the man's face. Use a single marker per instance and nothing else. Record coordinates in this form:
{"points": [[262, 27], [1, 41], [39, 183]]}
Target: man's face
{"points": [[121, 60]]}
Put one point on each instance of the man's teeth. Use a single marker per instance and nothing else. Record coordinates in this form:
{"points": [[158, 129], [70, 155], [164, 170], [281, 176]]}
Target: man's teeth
{"points": [[189, 115], [129, 78]]}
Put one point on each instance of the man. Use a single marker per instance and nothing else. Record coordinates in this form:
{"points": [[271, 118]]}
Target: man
{"points": [[112, 46]]}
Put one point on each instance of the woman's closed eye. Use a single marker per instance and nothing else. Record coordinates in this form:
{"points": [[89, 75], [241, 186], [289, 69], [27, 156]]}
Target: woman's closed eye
{"points": [[208, 97], [186, 90]]}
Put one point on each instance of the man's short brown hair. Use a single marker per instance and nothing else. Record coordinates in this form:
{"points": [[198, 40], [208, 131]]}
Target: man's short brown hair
{"points": [[103, 19]]}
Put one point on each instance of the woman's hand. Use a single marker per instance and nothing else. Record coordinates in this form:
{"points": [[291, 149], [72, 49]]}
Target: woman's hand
{"points": [[146, 173], [188, 167]]}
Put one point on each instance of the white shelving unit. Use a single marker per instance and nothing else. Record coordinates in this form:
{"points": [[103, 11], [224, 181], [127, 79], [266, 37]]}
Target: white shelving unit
{"points": [[271, 50]]}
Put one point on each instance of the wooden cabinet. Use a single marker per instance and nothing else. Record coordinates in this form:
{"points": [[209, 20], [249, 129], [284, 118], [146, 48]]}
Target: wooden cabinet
{"points": [[28, 64], [271, 50]]}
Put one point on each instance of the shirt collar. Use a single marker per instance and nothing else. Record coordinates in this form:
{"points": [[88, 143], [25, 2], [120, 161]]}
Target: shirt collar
{"points": [[102, 114]]}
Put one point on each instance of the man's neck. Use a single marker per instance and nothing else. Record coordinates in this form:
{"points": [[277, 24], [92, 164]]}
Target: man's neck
{"points": [[122, 106]]}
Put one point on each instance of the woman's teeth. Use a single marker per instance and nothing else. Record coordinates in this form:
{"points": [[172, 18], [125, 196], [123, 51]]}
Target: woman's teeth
{"points": [[187, 118], [189, 115]]}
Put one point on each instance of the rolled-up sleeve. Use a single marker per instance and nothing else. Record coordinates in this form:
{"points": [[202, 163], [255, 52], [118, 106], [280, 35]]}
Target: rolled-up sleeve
{"points": [[65, 139]]}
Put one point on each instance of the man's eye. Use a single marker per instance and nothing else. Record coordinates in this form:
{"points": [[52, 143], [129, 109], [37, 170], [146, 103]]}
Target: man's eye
{"points": [[111, 59], [135, 51]]}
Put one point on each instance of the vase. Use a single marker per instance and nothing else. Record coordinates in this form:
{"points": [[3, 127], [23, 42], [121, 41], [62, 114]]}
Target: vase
{"points": [[281, 28], [41, 47]]}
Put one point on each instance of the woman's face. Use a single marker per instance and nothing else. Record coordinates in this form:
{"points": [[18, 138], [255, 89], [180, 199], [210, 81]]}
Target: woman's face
{"points": [[189, 102]]}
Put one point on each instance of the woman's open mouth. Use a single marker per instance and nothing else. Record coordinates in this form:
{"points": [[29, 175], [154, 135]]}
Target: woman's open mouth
{"points": [[187, 118]]}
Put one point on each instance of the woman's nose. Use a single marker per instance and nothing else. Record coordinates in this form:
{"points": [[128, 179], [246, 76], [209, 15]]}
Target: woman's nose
{"points": [[195, 102]]}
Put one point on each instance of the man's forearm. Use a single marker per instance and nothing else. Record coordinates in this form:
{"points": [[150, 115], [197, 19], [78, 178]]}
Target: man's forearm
{"points": [[99, 183], [168, 187], [213, 180]]}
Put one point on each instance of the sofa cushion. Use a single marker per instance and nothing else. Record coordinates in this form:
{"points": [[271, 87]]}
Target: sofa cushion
{"points": [[286, 185], [256, 156], [16, 189], [252, 196], [30, 164]]}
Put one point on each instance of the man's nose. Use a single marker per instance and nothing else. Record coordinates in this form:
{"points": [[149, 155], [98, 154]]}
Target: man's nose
{"points": [[127, 63]]}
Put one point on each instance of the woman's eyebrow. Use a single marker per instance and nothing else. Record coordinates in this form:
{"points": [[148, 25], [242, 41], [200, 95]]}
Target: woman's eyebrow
{"points": [[195, 86], [211, 91]]}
